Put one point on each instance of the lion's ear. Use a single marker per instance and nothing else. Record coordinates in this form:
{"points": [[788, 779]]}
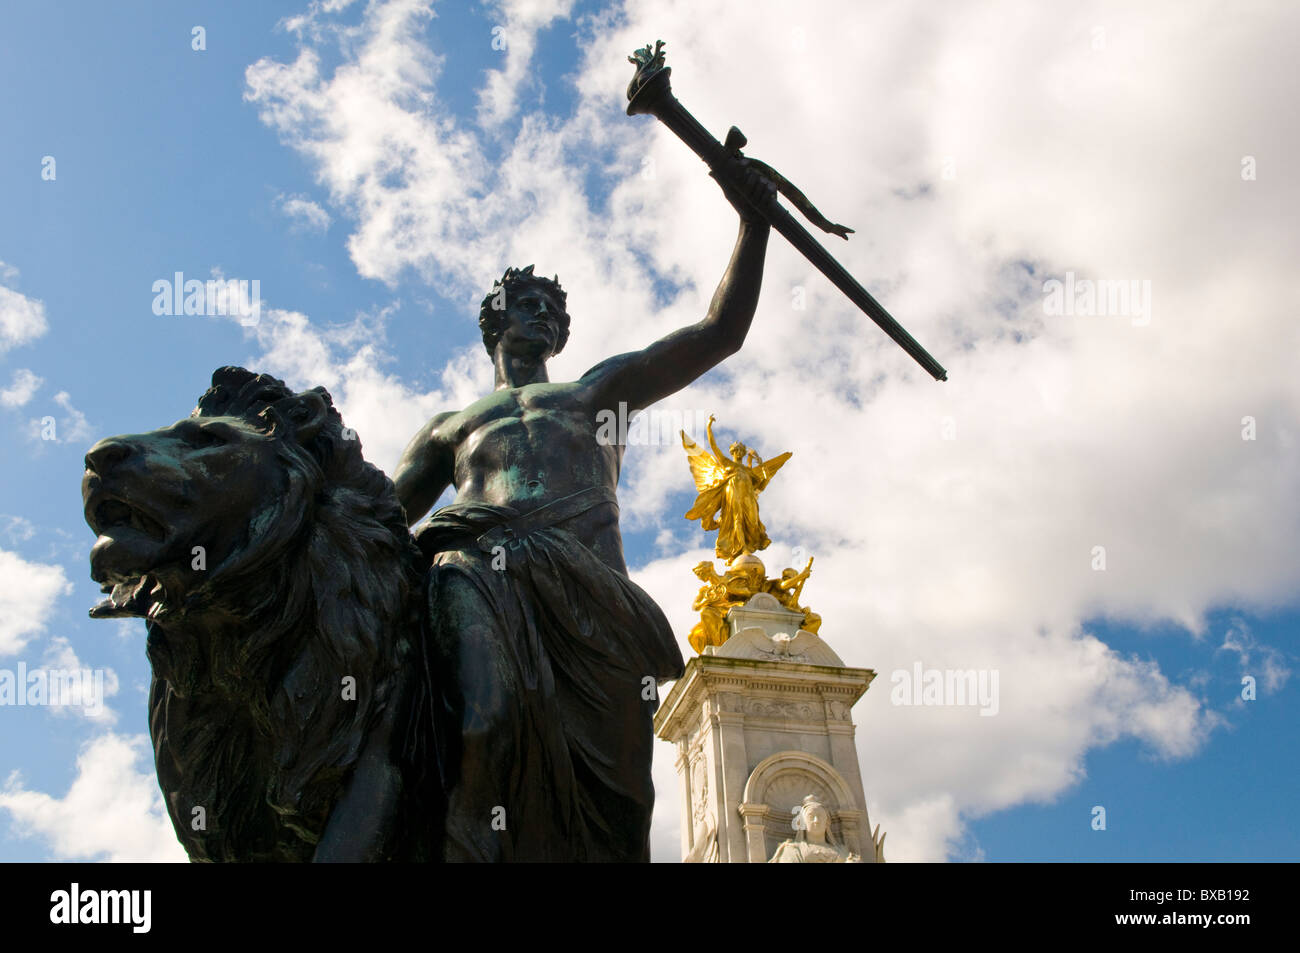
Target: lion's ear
{"points": [[309, 412]]}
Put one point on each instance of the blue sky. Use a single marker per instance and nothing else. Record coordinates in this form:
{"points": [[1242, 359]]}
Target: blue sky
{"points": [[375, 191]]}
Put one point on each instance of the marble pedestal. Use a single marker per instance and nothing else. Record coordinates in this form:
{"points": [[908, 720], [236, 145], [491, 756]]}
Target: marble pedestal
{"points": [[760, 723]]}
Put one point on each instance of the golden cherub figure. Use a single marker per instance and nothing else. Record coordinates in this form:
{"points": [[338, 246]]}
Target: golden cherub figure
{"points": [[728, 493], [787, 591]]}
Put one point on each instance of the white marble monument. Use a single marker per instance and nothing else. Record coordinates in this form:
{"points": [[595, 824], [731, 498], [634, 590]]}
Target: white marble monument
{"points": [[765, 753]]}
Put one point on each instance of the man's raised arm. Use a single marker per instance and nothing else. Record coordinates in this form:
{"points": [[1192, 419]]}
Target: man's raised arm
{"points": [[640, 378]]}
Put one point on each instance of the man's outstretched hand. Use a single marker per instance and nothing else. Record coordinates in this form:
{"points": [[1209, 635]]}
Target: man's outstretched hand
{"points": [[752, 191]]}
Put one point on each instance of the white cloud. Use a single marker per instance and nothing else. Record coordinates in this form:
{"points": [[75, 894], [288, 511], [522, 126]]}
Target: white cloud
{"points": [[1068, 432], [309, 22], [933, 828], [666, 829], [348, 361], [20, 391], [97, 685], [1265, 663], [18, 529], [22, 319], [304, 215], [28, 592], [131, 630], [72, 427], [112, 812], [374, 126], [515, 36]]}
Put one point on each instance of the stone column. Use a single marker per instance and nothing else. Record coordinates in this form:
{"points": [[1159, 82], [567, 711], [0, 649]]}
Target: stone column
{"points": [[753, 817]]}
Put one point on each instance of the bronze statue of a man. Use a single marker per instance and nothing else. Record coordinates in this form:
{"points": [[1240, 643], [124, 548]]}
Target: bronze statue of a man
{"points": [[543, 655]]}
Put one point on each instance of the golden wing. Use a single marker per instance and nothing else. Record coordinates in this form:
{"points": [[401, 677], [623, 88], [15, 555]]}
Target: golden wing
{"points": [[767, 469], [705, 468]]}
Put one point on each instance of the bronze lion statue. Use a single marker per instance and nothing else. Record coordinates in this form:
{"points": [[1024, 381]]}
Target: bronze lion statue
{"points": [[282, 596]]}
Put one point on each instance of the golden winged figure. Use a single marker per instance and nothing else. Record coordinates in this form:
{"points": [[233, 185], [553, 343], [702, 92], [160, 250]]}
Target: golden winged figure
{"points": [[728, 493]]}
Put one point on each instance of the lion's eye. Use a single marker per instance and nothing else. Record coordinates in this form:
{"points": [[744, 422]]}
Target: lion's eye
{"points": [[198, 436]]}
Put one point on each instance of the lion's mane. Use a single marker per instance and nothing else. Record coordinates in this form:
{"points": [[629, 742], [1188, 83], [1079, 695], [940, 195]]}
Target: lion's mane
{"points": [[248, 712]]}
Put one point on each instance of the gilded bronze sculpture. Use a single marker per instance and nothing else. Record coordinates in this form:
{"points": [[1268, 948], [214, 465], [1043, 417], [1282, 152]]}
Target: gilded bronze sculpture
{"points": [[728, 491], [727, 501], [789, 588], [717, 596]]}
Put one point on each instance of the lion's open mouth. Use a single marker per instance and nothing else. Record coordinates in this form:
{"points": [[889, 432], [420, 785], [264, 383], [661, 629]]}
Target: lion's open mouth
{"points": [[137, 598], [131, 545], [113, 513]]}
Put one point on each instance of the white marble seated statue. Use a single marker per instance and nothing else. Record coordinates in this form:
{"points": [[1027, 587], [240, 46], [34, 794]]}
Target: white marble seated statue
{"points": [[814, 843]]}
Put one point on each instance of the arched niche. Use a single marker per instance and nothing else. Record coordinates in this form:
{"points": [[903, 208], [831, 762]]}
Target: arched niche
{"points": [[777, 787]]}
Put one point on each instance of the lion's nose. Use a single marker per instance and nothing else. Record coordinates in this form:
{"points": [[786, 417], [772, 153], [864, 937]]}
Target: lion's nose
{"points": [[106, 453]]}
